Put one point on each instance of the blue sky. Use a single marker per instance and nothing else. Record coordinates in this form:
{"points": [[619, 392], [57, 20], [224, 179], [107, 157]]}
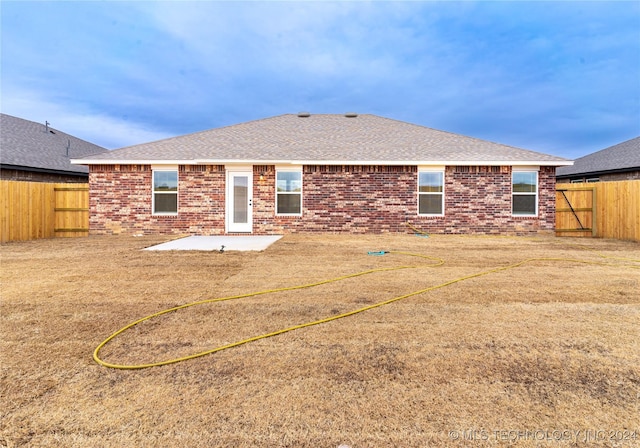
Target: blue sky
{"points": [[560, 77]]}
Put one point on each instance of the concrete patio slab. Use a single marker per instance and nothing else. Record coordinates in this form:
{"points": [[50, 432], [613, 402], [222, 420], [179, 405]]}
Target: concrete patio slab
{"points": [[223, 242]]}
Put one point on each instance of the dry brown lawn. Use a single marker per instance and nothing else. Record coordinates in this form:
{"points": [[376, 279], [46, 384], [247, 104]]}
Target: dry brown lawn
{"points": [[549, 350]]}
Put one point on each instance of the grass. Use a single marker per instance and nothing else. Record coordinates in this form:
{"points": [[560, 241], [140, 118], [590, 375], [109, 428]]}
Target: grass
{"points": [[549, 346]]}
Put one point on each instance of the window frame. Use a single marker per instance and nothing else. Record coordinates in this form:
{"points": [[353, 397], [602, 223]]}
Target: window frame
{"points": [[535, 193], [431, 170], [288, 169], [154, 192]]}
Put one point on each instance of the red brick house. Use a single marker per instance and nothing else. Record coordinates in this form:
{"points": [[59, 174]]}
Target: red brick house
{"points": [[321, 173]]}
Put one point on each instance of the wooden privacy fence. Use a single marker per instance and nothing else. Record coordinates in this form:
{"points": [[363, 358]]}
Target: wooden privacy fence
{"points": [[600, 209], [31, 210]]}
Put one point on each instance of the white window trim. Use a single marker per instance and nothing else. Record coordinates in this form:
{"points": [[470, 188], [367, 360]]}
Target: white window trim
{"points": [[525, 169], [430, 169], [288, 169], [155, 169]]}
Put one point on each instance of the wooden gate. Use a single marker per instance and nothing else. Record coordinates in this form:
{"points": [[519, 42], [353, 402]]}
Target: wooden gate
{"points": [[576, 212], [71, 210], [31, 210]]}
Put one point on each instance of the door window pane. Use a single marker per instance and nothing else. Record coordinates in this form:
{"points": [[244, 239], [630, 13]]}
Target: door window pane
{"points": [[240, 199]]}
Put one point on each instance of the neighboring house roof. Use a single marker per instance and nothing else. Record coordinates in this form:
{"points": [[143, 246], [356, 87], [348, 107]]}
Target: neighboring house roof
{"points": [[348, 139], [622, 157], [31, 146]]}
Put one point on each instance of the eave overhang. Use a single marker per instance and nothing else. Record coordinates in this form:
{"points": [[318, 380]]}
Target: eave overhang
{"points": [[32, 169], [322, 162]]}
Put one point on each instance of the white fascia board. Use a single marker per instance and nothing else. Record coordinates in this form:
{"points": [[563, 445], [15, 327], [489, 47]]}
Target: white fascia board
{"points": [[433, 162], [130, 162], [502, 163], [245, 162], [323, 162]]}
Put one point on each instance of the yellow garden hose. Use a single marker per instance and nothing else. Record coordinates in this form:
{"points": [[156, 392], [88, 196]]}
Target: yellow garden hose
{"points": [[438, 262], [417, 231]]}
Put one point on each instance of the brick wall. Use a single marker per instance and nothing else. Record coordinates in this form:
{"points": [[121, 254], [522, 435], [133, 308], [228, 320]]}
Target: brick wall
{"points": [[478, 200], [120, 201], [355, 199]]}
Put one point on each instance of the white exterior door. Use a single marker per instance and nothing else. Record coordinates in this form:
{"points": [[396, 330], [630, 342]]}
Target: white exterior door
{"points": [[239, 205]]}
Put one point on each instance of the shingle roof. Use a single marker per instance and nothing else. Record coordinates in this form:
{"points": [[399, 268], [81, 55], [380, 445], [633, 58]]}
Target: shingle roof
{"points": [[323, 138], [27, 144], [623, 156]]}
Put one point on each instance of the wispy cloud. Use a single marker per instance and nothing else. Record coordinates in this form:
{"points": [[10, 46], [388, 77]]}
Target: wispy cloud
{"points": [[109, 131], [557, 77]]}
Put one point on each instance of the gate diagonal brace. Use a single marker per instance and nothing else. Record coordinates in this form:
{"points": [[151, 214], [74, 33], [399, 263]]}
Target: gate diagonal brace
{"points": [[572, 210]]}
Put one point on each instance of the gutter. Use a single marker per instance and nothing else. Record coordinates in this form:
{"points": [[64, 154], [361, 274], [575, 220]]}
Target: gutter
{"points": [[597, 173], [32, 169]]}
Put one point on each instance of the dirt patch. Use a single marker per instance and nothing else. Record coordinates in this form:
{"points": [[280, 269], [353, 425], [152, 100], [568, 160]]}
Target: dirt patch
{"points": [[551, 345]]}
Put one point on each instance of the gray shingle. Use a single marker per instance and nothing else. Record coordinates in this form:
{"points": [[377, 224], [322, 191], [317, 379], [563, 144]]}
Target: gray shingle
{"points": [[625, 155], [325, 138], [25, 143]]}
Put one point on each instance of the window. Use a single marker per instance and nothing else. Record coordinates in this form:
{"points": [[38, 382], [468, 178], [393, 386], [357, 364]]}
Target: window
{"points": [[525, 193], [165, 192], [289, 192], [431, 193]]}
